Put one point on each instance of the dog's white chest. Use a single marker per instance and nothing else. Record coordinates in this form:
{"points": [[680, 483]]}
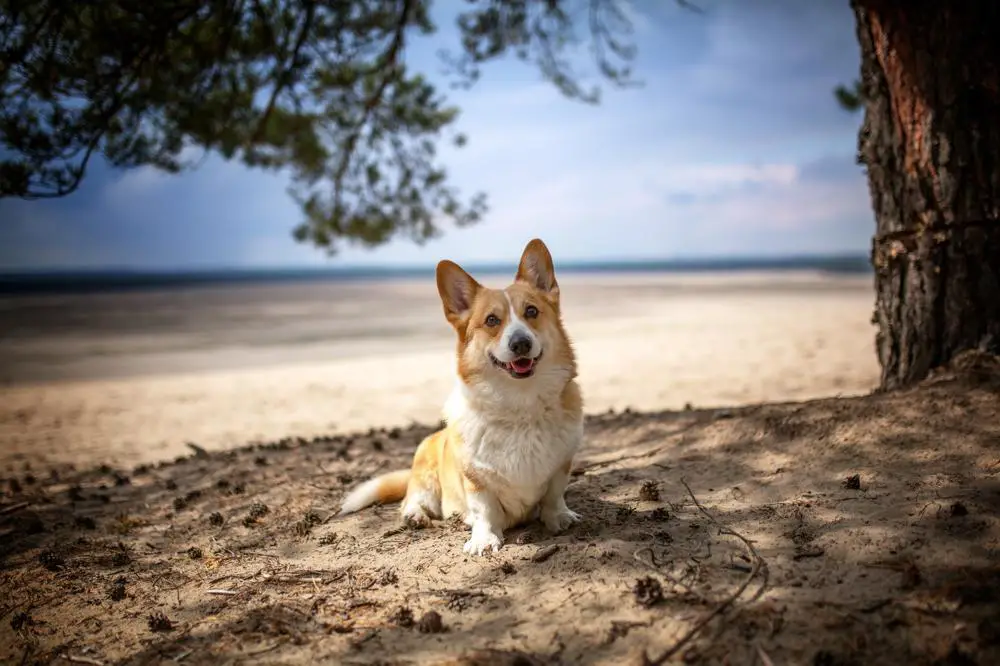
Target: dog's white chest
{"points": [[522, 453], [518, 451]]}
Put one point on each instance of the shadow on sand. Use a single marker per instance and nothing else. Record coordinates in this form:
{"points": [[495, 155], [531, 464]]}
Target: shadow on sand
{"points": [[875, 518]]}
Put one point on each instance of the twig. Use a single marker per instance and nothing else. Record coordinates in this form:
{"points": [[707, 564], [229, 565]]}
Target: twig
{"points": [[308, 576], [13, 507], [394, 531], [285, 76], [649, 453], [364, 638], [228, 593], [878, 605], [544, 553], [292, 581], [764, 659], [292, 610], [388, 60], [633, 456], [653, 565], [264, 650], [866, 496], [82, 660], [326, 489], [757, 567], [199, 452], [184, 655]]}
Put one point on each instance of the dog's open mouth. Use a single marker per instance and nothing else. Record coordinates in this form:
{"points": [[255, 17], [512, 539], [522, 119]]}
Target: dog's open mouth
{"points": [[519, 368]]}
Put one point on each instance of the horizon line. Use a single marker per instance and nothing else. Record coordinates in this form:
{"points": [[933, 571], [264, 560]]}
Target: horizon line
{"points": [[805, 260]]}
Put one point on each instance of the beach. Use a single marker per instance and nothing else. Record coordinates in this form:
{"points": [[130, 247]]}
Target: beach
{"points": [[726, 514], [133, 377]]}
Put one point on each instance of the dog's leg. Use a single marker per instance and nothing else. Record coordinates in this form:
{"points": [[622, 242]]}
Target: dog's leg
{"points": [[422, 504], [423, 493], [486, 517], [555, 515]]}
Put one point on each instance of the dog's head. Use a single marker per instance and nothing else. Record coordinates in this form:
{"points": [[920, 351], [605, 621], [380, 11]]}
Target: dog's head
{"points": [[514, 335]]}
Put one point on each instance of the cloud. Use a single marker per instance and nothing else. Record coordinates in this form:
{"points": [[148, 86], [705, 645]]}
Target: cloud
{"points": [[146, 180]]}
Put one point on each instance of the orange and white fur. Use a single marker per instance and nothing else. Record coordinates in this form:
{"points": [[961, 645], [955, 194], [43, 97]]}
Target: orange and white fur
{"points": [[514, 419]]}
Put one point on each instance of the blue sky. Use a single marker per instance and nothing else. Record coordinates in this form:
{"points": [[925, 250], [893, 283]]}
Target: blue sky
{"points": [[734, 146]]}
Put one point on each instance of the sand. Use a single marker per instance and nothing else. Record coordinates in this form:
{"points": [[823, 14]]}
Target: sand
{"points": [[131, 378], [851, 530], [859, 530]]}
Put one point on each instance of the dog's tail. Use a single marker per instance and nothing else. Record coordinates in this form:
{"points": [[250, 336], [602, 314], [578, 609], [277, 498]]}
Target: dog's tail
{"points": [[382, 489]]}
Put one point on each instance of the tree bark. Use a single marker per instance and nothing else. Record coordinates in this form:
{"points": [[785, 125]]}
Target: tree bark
{"points": [[931, 143]]}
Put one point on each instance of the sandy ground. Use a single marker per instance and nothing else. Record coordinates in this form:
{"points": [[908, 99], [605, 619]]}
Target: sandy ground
{"points": [[133, 377], [840, 531]]}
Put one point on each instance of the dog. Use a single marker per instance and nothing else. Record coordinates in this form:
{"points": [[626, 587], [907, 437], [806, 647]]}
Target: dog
{"points": [[514, 420]]}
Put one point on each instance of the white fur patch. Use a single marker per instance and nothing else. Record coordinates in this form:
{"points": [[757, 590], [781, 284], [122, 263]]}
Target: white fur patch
{"points": [[486, 517], [364, 495], [515, 325], [518, 443], [421, 503], [483, 540]]}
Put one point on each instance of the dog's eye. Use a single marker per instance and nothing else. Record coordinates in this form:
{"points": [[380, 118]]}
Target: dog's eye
{"points": [[492, 320], [531, 312]]}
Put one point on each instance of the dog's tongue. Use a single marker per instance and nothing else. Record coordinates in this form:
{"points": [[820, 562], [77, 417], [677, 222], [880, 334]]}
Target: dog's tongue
{"points": [[522, 364]]}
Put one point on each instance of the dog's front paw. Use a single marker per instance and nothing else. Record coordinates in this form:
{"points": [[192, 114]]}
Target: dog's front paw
{"points": [[483, 542], [558, 520]]}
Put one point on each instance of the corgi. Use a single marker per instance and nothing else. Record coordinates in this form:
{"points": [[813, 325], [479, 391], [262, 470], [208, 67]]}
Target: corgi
{"points": [[514, 420]]}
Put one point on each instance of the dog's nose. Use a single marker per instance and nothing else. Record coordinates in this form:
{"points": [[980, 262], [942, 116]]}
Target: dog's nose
{"points": [[520, 344]]}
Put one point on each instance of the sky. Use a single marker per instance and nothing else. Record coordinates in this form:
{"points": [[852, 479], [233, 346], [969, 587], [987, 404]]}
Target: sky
{"points": [[734, 146]]}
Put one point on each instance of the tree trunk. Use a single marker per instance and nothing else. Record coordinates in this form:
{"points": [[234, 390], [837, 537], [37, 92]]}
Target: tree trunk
{"points": [[931, 144]]}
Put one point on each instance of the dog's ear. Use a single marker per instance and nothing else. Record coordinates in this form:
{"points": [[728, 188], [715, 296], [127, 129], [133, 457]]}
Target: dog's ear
{"points": [[536, 268], [457, 289]]}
